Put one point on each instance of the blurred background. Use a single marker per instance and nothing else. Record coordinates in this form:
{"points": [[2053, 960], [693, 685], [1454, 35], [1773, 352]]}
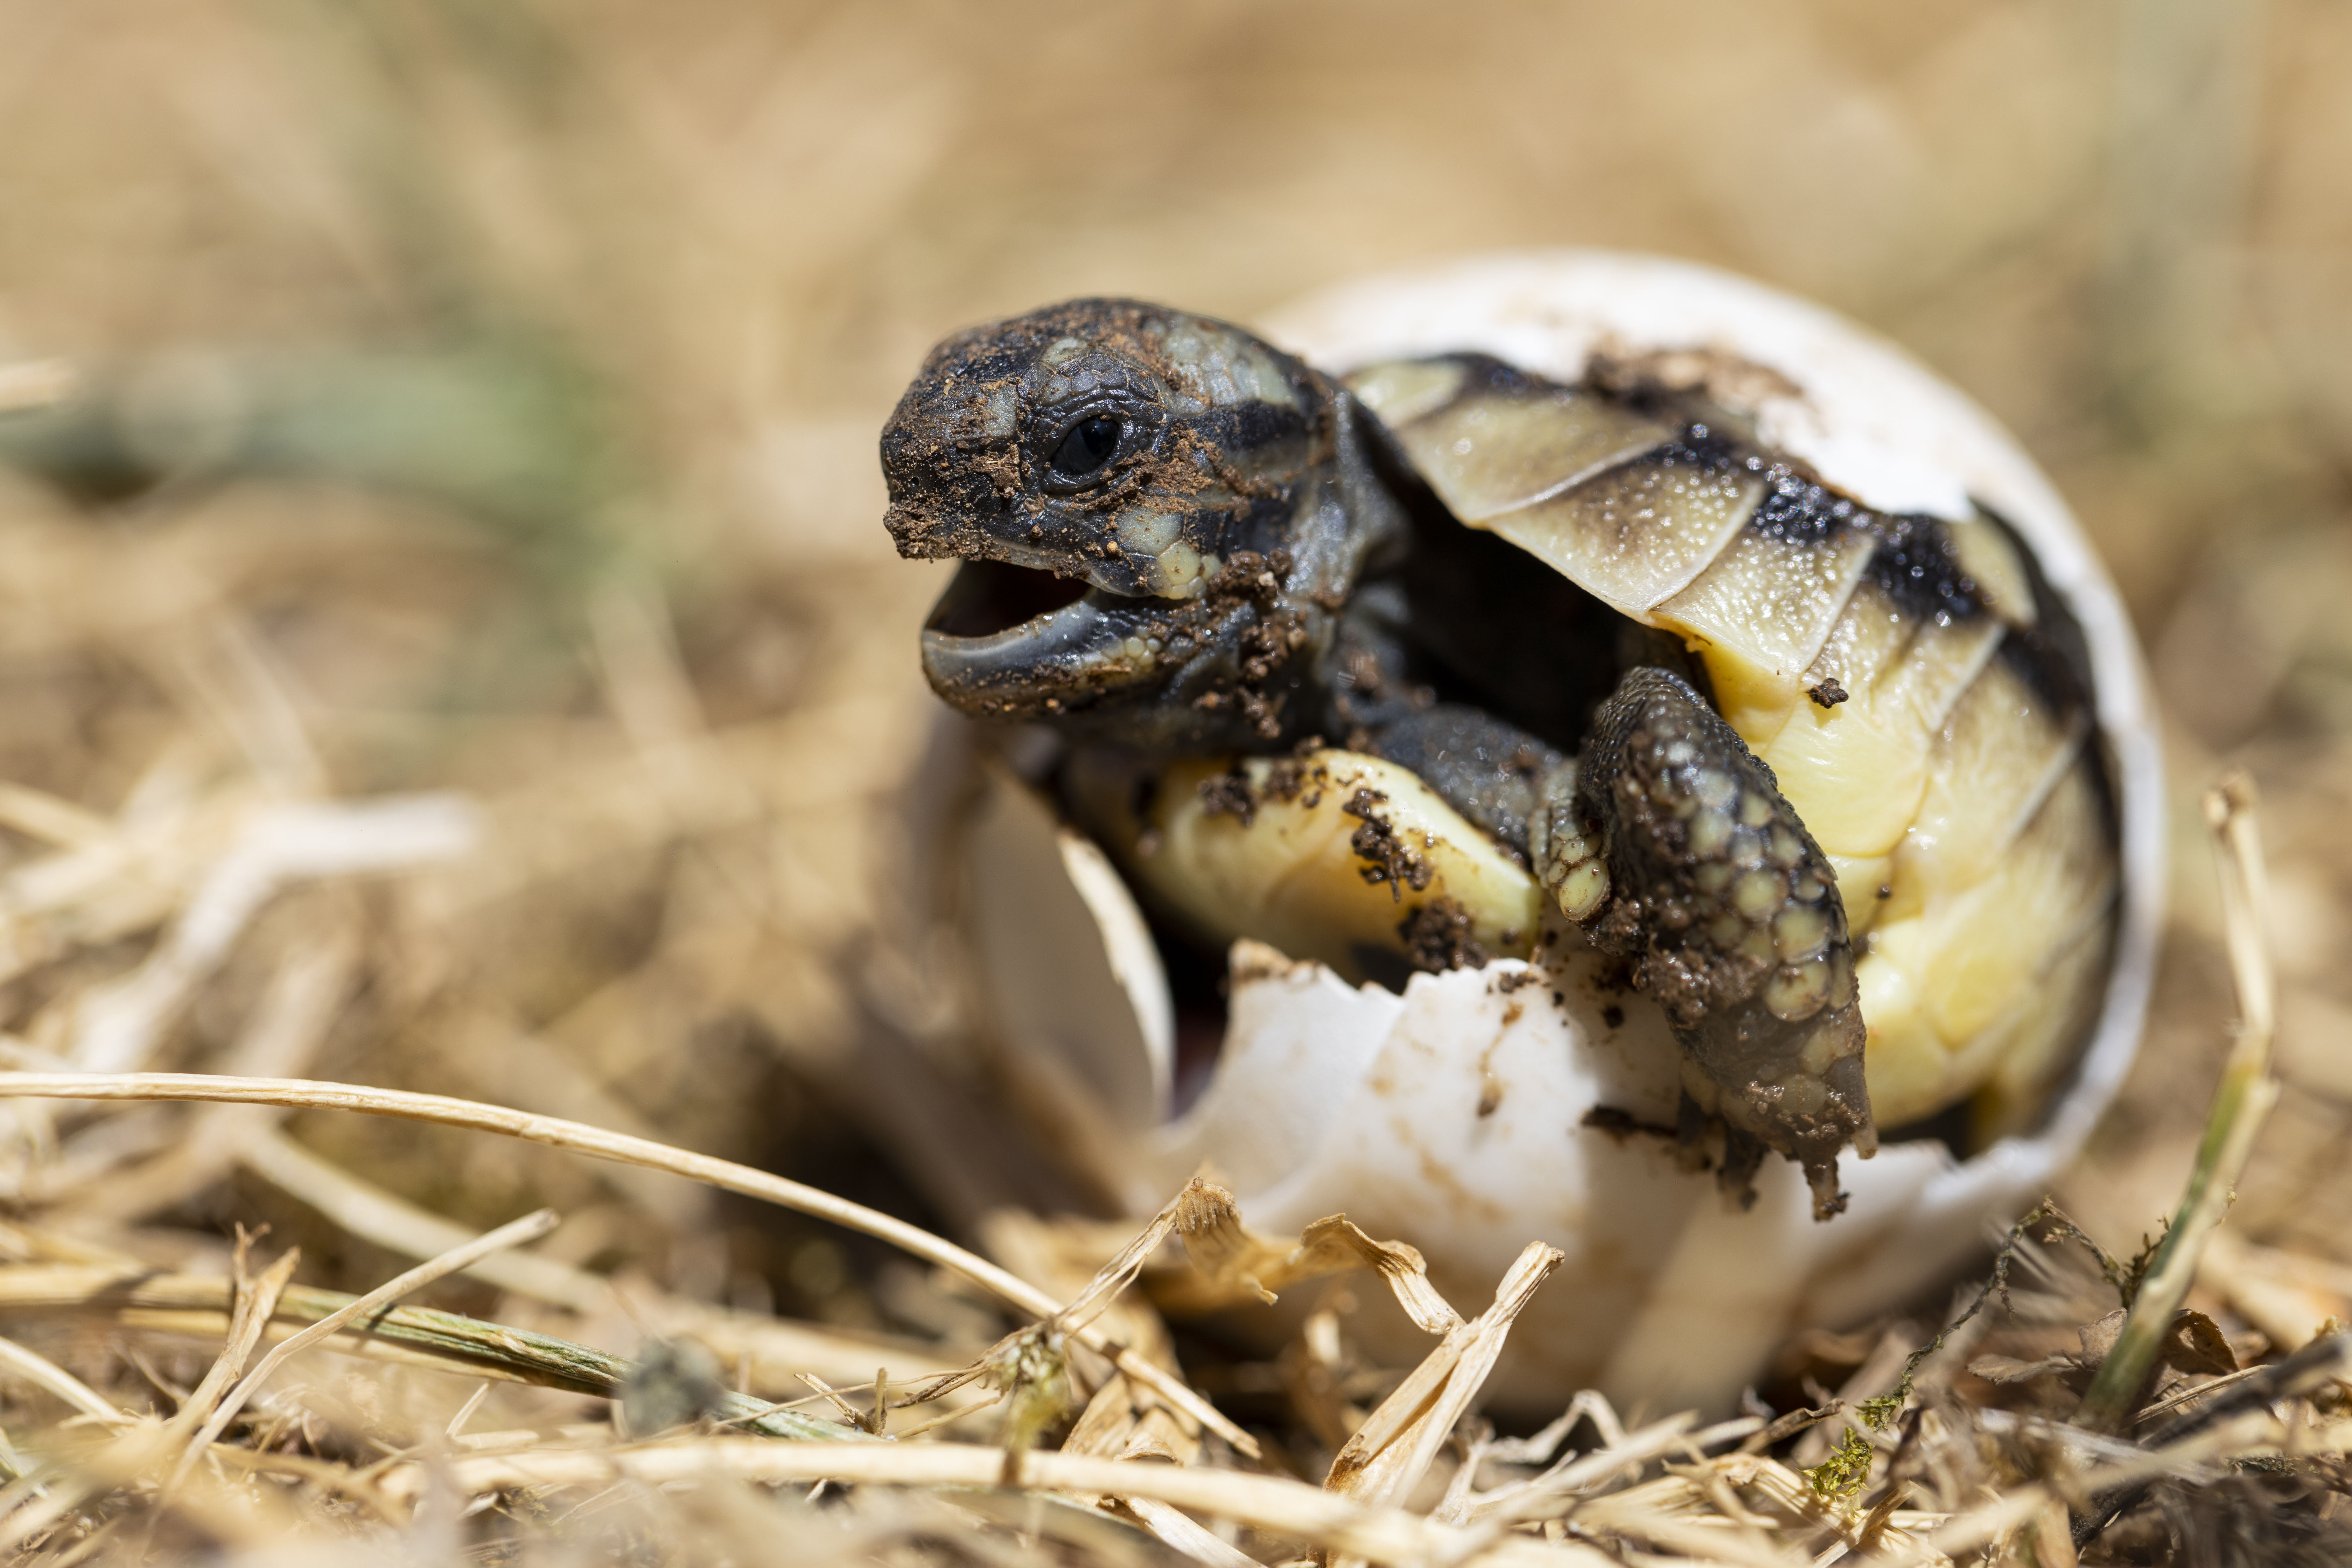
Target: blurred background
{"points": [[441, 442]]}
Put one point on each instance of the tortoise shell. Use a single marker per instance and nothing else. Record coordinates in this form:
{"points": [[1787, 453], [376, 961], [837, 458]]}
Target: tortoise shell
{"points": [[1920, 695]]}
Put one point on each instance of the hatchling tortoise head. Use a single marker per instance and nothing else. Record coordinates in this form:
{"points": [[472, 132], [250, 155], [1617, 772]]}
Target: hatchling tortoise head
{"points": [[1817, 773], [1129, 486]]}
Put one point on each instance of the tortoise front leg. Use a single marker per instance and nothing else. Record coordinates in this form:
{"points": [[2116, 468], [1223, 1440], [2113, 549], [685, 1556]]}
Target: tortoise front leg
{"points": [[1673, 848]]}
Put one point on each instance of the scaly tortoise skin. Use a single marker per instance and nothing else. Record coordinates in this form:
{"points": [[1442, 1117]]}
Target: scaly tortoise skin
{"points": [[1800, 763]]}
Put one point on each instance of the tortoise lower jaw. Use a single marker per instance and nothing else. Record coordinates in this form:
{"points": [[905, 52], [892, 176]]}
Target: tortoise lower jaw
{"points": [[1009, 642]]}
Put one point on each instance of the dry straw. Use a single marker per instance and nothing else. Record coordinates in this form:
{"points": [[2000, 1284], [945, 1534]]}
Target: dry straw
{"points": [[1543, 1505], [575, 1138]]}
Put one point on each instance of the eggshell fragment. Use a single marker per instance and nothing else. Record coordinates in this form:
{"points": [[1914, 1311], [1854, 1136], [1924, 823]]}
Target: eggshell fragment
{"points": [[1068, 973]]}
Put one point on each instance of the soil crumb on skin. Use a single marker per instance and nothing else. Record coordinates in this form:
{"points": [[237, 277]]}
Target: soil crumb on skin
{"points": [[1232, 794], [1385, 855], [1438, 937], [1516, 979], [1624, 1126], [1252, 581], [1228, 793], [1613, 977], [1829, 693], [1287, 779]]}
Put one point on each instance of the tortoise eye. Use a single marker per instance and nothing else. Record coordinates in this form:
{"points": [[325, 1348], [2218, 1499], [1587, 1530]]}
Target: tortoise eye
{"points": [[1087, 447]]}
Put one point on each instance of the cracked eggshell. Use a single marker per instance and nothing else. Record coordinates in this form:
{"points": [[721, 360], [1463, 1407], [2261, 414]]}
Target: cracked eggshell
{"points": [[1453, 1116]]}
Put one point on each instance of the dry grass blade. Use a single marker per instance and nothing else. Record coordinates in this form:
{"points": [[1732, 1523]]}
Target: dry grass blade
{"points": [[374, 1215], [1176, 1528], [581, 1138], [1232, 1263], [47, 819], [256, 1303], [44, 1374], [1709, 1537], [198, 1307], [1739, 1509], [2317, 1366], [1986, 1524], [1333, 1244], [1393, 1448], [368, 1212], [133, 1452], [1119, 1273], [1533, 1498], [2246, 1094], [1288, 1508], [121, 1022], [530, 1227]]}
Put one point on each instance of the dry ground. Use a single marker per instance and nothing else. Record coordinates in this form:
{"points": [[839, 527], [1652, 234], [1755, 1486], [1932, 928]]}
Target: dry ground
{"points": [[462, 655]]}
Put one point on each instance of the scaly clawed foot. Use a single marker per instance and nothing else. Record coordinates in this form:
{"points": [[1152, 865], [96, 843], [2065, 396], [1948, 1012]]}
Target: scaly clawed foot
{"points": [[1670, 843]]}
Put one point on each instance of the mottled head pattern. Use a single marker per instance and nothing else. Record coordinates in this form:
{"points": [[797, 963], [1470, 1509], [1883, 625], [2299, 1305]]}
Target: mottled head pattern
{"points": [[1131, 489]]}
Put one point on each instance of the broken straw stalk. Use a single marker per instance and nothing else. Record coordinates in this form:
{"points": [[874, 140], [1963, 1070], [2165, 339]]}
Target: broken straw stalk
{"points": [[2246, 1096]]}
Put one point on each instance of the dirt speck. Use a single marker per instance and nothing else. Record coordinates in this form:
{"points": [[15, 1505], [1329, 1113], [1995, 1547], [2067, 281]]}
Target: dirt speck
{"points": [[1624, 1125], [1386, 858], [1228, 793], [1288, 778], [1438, 937]]}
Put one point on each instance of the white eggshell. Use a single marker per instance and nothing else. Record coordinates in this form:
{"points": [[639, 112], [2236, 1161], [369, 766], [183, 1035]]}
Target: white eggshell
{"points": [[1067, 969], [1451, 1117]]}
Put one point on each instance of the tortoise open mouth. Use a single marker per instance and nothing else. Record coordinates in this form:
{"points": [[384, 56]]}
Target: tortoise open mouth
{"points": [[987, 598], [1009, 640]]}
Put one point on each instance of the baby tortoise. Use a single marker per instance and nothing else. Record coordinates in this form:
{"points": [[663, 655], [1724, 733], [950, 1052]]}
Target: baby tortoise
{"points": [[1743, 724]]}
